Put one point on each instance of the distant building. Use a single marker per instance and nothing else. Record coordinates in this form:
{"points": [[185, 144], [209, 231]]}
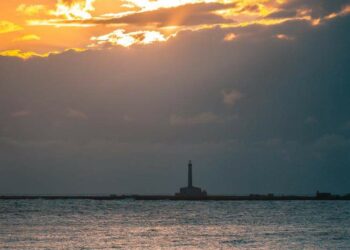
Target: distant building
{"points": [[323, 195], [190, 190]]}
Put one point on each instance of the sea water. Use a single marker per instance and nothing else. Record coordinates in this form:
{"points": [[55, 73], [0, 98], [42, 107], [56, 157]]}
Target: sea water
{"points": [[128, 224]]}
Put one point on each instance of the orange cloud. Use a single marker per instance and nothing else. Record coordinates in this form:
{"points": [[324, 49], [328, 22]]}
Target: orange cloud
{"points": [[24, 55], [343, 12], [120, 37], [74, 9], [30, 54], [230, 37], [31, 10], [6, 27], [30, 37]]}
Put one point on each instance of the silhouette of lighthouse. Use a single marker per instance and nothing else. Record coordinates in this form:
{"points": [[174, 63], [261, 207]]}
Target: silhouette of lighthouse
{"points": [[190, 190], [189, 174]]}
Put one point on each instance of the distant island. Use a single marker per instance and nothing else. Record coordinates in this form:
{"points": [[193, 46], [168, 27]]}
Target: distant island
{"points": [[251, 197], [186, 193]]}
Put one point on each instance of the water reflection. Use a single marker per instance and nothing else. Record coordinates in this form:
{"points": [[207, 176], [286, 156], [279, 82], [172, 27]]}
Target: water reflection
{"points": [[174, 224]]}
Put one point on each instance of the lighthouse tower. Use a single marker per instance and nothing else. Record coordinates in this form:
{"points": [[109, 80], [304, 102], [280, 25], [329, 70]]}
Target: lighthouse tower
{"points": [[190, 190], [189, 174]]}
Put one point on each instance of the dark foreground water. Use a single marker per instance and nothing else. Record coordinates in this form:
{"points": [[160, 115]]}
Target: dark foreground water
{"points": [[74, 224]]}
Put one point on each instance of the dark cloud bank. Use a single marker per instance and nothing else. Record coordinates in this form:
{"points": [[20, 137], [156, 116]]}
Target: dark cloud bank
{"points": [[255, 115]]}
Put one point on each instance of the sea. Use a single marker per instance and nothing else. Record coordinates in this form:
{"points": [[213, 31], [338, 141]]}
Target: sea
{"points": [[130, 224]]}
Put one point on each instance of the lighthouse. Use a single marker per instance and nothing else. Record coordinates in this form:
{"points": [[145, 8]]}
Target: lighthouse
{"points": [[190, 190], [189, 174]]}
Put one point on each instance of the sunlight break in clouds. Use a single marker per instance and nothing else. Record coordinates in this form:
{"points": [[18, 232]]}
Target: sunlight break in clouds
{"points": [[147, 5]]}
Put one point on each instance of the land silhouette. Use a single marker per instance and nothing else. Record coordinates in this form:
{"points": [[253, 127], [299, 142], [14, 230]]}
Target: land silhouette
{"points": [[186, 193]]}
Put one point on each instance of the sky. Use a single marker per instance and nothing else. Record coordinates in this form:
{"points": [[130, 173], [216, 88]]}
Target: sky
{"points": [[115, 96]]}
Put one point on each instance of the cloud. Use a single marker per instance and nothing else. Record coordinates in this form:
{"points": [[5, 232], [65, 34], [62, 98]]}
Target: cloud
{"points": [[22, 113], [198, 119], [331, 142], [283, 14], [128, 119], [6, 27], [284, 37], [191, 14], [25, 55], [316, 9], [145, 22], [230, 37], [347, 124], [147, 5], [74, 9], [343, 12], [76, 114], [31, 37], [311, 120], [120, 37], [231, 97], [31, 10]]}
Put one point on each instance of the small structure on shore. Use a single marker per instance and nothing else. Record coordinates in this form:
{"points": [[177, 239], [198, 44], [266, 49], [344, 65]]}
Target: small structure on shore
{"points": [[320, 195], [190, 190]]}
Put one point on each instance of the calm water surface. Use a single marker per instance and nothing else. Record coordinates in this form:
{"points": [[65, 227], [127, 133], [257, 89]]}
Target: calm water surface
{"points": [[74, 224]]}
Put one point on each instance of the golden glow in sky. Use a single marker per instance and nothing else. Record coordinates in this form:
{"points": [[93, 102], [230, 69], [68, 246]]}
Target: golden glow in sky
{"points": [[42, 27]]}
